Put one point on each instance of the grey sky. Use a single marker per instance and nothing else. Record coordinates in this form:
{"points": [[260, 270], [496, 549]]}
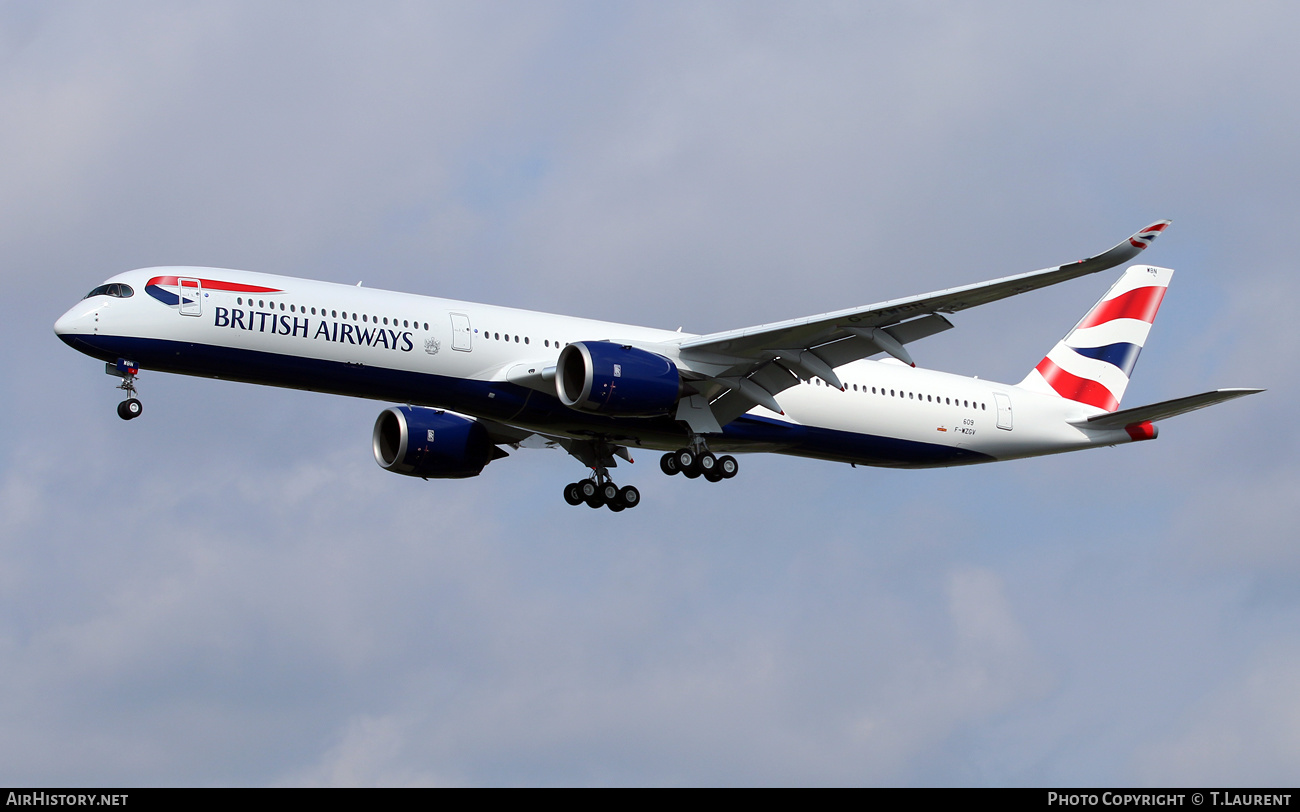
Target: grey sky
{"points": [[230, 591]]}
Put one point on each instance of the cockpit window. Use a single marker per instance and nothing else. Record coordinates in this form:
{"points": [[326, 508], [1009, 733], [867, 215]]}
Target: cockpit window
{"points": [[116, 289]]}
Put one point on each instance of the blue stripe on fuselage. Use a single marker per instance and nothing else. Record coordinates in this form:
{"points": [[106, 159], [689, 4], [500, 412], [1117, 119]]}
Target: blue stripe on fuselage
{"points": [[166, 297], [509, 403]]}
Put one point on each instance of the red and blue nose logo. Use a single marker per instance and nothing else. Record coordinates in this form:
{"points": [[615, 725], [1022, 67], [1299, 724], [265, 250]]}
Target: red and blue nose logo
{"points": [[189, 291]]}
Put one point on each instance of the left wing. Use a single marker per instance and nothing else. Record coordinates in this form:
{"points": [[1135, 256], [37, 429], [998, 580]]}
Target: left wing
{"points": [[735, 370]]}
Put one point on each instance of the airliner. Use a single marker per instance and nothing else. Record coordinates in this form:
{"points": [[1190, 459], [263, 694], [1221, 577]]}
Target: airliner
{"points": [[473, 380]]}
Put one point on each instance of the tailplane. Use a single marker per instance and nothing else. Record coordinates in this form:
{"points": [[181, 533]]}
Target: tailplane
{"points": [[1094, 361]]}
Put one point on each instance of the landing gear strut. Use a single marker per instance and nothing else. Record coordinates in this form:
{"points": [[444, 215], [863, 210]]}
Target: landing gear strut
{"points": [[131, 408], [696, 460]]}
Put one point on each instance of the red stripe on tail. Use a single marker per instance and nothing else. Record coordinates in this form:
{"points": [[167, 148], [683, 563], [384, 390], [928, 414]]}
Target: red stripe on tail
{"points": [[1072, 387], [1139, 303]]}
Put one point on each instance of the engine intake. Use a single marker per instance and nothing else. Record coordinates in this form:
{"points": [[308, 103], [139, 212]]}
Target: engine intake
{"points": [[614, 379], [417, 441]]}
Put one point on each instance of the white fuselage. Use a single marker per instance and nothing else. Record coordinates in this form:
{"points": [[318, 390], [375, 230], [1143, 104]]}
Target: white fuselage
{"points": [[460, 356]]}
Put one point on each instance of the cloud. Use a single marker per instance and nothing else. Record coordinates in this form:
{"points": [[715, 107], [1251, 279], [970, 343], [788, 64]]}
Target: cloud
{"points": [[1246, 733]]}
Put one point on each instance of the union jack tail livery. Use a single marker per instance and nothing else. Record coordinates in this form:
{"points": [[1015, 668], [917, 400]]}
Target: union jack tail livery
{"points": [[1092, 364]]}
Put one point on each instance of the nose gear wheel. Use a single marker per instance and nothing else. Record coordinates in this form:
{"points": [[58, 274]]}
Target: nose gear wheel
{"points": [[131, 408]]}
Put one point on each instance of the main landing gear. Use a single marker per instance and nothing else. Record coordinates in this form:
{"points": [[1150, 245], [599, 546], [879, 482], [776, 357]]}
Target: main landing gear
{"points": [[601, 491], [696, 460], [131, 408]]}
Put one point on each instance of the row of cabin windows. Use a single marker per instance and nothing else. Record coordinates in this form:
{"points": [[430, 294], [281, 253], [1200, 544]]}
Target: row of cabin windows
{"points": [[292, 308], [334, 314], [516, 339], [893, 393]]}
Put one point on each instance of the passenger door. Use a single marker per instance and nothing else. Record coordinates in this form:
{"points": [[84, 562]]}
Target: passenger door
{"points": [[462, 338], [1004, 410], [191, 295]]}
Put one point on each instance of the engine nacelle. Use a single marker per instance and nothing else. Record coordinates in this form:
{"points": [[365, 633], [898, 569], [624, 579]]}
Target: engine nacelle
{"points": [[427, 443], [609, 378]]}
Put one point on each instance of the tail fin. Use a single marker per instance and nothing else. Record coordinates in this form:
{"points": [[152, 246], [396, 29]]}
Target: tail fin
{"points": [[1092, 364]]}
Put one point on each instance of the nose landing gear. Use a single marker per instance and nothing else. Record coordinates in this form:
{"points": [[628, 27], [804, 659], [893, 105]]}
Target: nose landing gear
{"points": [[131, 408]]}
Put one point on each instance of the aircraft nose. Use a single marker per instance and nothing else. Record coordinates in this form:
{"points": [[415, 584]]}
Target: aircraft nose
{"points": [[80, 320]]}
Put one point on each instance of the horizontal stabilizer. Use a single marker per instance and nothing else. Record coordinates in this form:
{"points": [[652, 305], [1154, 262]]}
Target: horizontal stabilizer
{"points": [[1162, 410]]}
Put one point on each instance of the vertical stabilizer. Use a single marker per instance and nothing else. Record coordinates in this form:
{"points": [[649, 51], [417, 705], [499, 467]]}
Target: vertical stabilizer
{"points": [[1092, 364]]}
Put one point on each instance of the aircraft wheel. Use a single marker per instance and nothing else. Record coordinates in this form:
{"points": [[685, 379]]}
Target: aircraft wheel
{"points": [[728, 466], [686, 462], [609, 493], [129, 409], [615, 507], [590, 493], [714, 475], [629, 497], [668, 464], [573, 494], [708, 464]]}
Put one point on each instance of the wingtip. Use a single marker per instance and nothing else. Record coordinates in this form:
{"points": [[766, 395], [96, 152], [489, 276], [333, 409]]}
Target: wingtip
{"points": [[1147, 235]]}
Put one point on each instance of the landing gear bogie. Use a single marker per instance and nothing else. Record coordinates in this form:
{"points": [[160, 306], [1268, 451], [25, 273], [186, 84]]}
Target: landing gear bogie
{"points": [[693, 463], [602, 494]]}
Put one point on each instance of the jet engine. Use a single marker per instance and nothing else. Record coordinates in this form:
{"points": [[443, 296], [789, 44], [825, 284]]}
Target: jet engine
{"points": [[615, 379], [417, 441]]}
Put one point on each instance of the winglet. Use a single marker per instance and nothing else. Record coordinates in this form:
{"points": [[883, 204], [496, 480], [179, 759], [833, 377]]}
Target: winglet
{"points": [[1124, 252], [1146, 236]]}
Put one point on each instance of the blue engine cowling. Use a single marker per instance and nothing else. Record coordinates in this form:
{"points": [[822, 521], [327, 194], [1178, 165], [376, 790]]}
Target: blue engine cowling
{"points": [[614, 379], [416, 441]]}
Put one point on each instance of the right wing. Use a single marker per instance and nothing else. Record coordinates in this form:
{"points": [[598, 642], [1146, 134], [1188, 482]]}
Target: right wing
{"points": [[734, 371]]}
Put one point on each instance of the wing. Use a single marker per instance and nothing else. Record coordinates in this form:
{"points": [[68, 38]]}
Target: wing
{"points": [[591, 453], [735, 370]]}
